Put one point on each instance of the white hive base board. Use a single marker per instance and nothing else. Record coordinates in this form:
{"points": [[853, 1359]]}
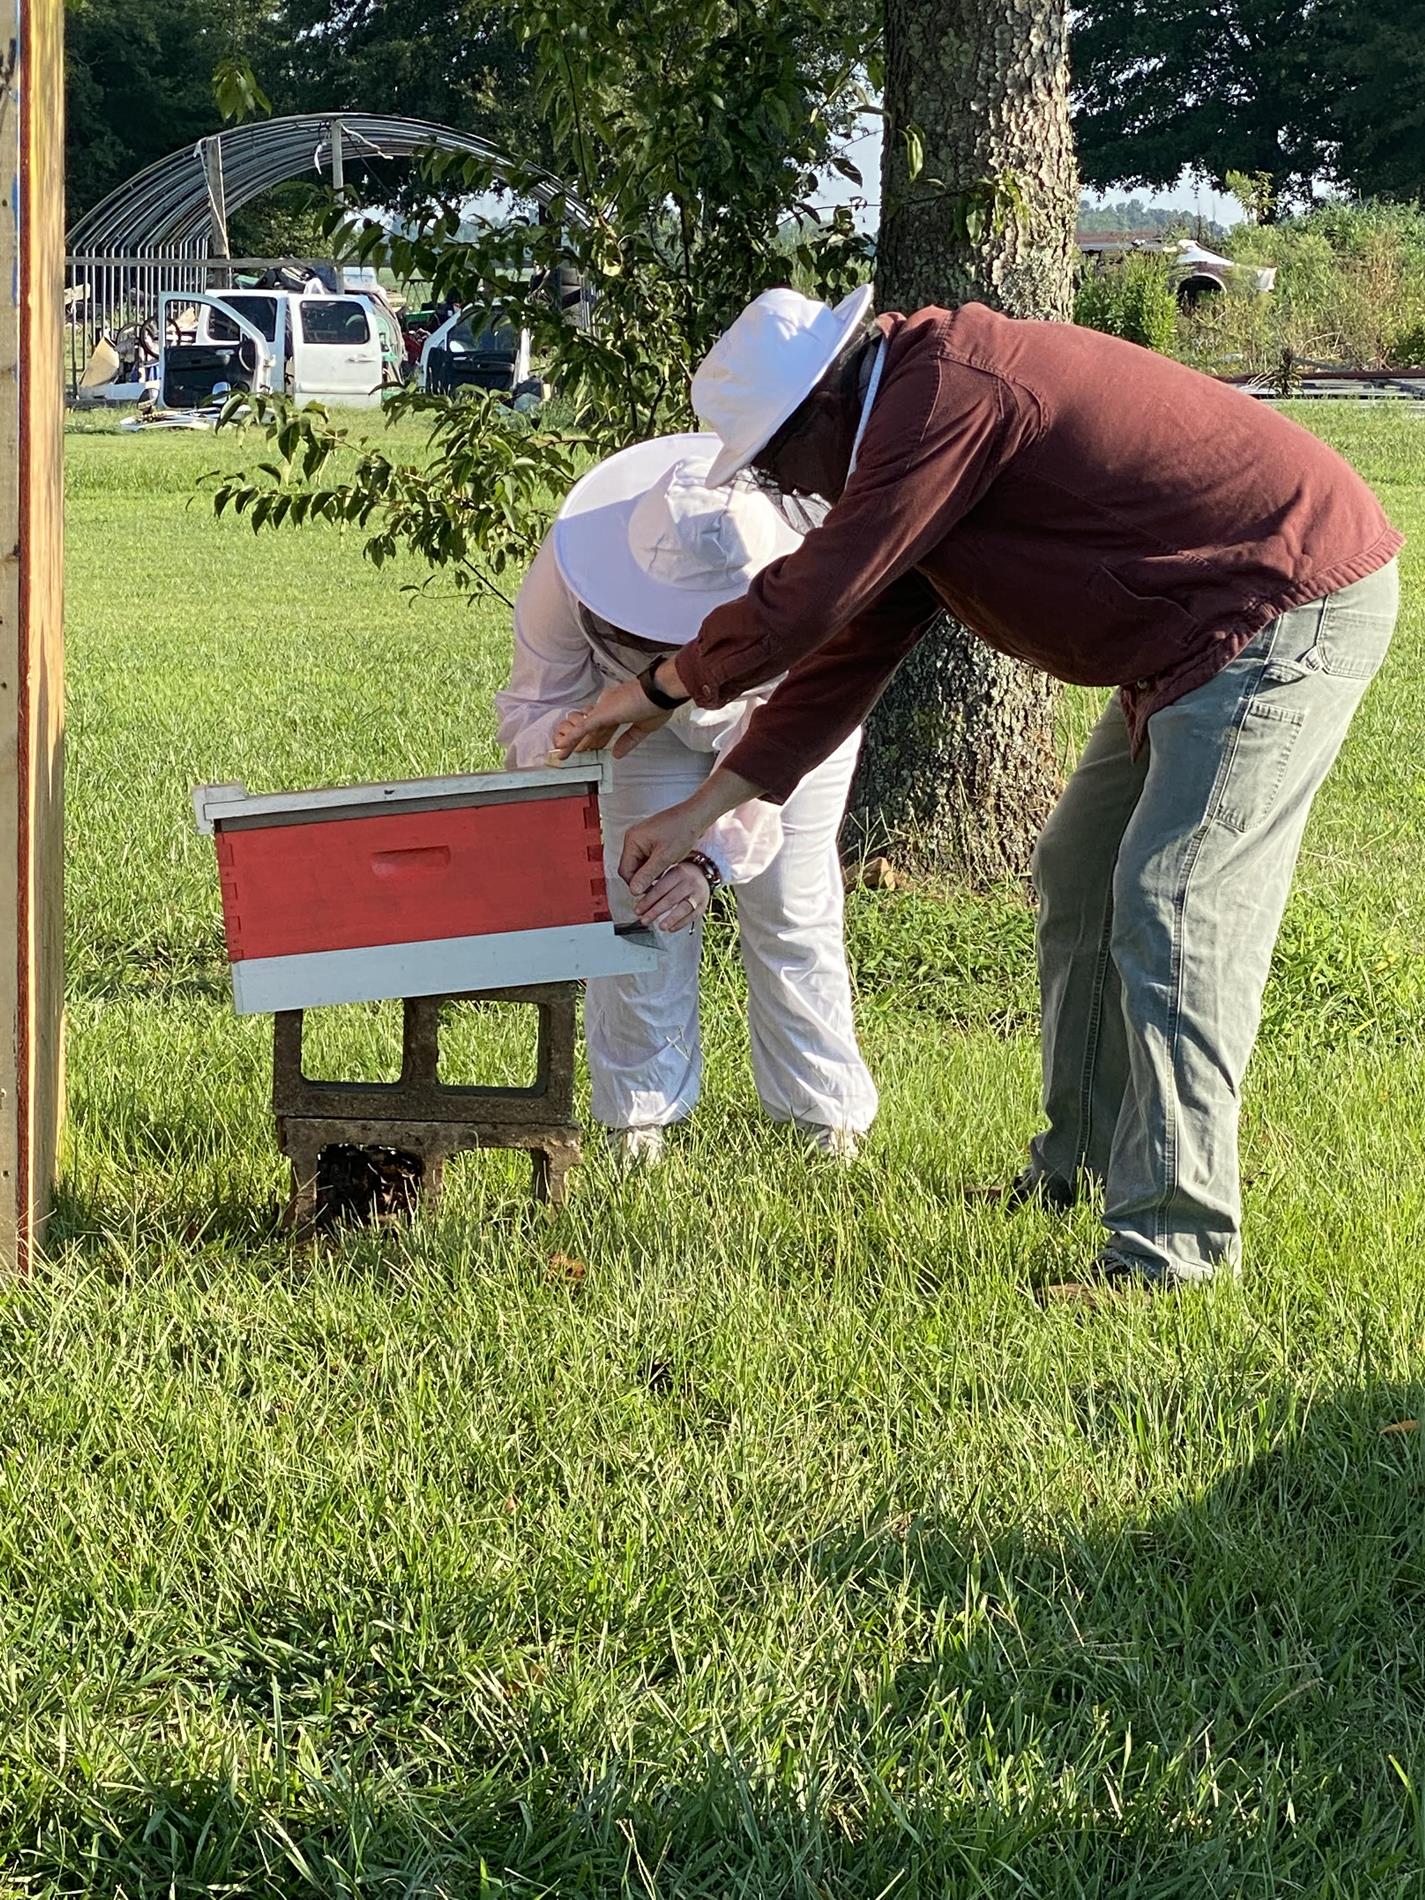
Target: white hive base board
{"points": [[441, 967]]}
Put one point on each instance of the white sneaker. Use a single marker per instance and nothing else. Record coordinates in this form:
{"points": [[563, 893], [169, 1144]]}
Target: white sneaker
{"points": [[641, 1147], [837, 1144]]}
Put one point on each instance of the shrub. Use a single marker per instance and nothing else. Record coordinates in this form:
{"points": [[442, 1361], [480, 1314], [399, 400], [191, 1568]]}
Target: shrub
{"points": [[1133, 299], [1350, 290]]}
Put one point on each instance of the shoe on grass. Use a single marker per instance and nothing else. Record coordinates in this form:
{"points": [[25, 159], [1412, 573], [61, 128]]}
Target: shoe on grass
{"points": [[1109, 1276], [1027, 1189], [837, 1144], [639, 1147]]}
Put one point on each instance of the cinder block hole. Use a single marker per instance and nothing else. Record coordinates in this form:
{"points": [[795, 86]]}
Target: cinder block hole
{"points": [[359, 1185], [481, 1183], [352, 1042], [489, 1045]]}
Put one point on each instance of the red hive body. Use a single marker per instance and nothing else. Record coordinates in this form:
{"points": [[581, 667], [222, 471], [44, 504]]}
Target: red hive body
{"points": [[402, 877], [425, 888]]}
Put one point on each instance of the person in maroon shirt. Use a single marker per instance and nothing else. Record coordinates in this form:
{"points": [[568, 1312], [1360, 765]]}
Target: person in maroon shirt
{"points": [[1117, 520]]}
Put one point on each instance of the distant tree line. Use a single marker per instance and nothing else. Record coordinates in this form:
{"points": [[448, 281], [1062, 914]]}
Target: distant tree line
{"points": [[140, 72], [1133, 216]]}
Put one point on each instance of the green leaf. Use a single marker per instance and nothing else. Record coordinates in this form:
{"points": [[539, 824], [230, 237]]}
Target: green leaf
{"points": [[914, 151], [237, 93]]}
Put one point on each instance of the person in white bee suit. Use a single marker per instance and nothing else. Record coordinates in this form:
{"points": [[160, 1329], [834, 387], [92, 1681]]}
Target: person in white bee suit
{"points": [[640, 553]]}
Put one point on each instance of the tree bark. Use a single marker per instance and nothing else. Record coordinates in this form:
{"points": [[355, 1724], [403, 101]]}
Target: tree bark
{"points": [[959, 769]]}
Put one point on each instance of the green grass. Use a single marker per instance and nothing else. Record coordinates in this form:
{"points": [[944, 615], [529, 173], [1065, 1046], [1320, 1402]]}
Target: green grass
{"points": [[780, 1546]]}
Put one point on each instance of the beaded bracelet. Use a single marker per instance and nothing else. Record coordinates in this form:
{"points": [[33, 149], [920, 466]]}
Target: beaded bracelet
{"points": [[707, 867]]}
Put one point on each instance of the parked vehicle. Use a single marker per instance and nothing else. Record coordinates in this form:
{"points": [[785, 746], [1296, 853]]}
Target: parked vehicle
{"points": [[294, 331], [1197, 273], [121, 367], [455, 355], [310, 345], [1201, 273]]}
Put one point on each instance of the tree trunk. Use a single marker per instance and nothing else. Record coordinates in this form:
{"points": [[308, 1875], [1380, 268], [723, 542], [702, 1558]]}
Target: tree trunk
{"points": [[959, 769]]}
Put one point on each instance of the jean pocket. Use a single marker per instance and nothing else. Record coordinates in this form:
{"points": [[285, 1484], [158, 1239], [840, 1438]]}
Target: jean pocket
{"points": [[1352, 646], [1349, 636], [1348, 647], [1247, 792]]}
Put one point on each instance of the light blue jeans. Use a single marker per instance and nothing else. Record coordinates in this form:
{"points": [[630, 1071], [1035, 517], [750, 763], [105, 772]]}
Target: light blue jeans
{"points": [[1162, 881]]}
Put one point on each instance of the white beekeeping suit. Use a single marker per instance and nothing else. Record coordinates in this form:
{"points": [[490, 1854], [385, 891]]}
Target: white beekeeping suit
{"points": [[640, 553]]}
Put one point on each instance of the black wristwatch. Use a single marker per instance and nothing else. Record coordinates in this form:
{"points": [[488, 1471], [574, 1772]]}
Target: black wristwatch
{"points": [[651, 690]]}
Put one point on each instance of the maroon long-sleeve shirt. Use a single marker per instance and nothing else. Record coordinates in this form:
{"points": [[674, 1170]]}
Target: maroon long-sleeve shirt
{"points": [[1102, 512]]}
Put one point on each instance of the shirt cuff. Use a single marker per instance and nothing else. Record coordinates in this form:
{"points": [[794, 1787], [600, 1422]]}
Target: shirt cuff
{"points": [[706, 681]]}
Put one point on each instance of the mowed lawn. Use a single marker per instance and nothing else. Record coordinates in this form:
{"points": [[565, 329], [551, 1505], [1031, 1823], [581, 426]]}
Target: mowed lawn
{"points": [[746, 1529]]}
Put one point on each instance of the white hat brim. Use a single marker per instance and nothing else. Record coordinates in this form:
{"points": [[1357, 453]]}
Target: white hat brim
{"points": [[849, 314], [593, 555]]}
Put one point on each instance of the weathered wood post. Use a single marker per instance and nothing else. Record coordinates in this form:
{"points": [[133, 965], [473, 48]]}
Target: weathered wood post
{"points": [[31, 636]]}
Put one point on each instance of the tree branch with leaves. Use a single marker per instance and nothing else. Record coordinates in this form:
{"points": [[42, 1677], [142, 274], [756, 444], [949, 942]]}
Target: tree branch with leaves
{"points": [[479, 504], [687, 142]]}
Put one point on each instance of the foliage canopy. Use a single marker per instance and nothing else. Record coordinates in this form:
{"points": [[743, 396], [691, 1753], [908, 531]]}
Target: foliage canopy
{"points": [[1304, 92], [688, 141]]}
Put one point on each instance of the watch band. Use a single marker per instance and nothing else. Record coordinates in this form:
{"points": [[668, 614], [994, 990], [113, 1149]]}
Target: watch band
{"points": [[651, 690]]}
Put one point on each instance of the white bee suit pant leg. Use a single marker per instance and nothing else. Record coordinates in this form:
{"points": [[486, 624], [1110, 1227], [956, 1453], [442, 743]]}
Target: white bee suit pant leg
{"points": [[641, 1030], [805, 1058]]}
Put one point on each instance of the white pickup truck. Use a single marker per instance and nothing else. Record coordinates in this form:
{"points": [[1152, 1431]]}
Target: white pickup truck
{"points": [[344, 349]]}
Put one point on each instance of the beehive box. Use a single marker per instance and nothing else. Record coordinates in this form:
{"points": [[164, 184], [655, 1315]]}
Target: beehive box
{"points": [[424, 888]]}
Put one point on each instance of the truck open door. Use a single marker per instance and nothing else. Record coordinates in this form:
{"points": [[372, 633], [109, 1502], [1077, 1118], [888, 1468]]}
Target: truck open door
{"points": [[226, 352], [496, 358]]}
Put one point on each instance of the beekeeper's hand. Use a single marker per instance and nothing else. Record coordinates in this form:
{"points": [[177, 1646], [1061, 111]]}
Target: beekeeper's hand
{"points": [[677, 900], [656, 844], [591, 728]]}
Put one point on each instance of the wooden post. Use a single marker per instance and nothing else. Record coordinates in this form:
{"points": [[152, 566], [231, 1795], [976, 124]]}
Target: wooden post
{"points": [[31, 637]]}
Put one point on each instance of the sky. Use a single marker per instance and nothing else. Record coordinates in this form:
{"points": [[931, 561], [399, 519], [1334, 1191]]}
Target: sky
{"points": [[864, 152]]}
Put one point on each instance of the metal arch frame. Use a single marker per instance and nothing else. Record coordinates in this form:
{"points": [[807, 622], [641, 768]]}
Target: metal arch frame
{"points": [[179, 205]]}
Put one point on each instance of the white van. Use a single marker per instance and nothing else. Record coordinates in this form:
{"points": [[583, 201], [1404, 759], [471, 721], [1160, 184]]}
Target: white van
{"points": [[344, 350]]}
